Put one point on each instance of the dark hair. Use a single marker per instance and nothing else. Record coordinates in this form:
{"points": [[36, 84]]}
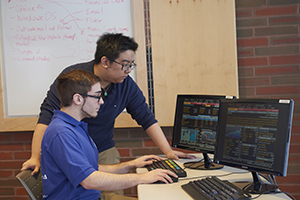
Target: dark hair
{"points": [[112, 44], [72, 82]]}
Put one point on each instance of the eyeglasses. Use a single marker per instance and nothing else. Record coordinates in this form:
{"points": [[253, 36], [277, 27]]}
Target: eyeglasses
{"points": [[125, 67], [96, 97]]}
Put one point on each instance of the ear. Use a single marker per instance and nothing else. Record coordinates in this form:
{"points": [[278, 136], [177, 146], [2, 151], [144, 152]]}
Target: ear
{"points": [[105, 62], [77, 99]]}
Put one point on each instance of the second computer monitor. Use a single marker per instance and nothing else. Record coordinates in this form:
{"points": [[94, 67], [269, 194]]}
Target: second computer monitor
{"points": [[254, 134], [195, 126]]}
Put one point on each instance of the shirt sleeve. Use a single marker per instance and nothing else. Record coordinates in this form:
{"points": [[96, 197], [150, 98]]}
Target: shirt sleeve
{"points": [[138, 108]]}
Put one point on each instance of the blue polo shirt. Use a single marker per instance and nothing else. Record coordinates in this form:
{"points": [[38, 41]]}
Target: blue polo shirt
{"points": [[122, 95], [68, 156]]}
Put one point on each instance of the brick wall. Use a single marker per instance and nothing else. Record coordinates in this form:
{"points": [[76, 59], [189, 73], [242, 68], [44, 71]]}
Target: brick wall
{"points": [[268, 39]]}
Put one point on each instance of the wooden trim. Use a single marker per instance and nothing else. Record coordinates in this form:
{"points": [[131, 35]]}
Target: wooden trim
{"points": [[124, 120]]}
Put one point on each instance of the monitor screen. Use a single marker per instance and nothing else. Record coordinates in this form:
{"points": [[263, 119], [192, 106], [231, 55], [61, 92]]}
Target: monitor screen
{"points": [[254, 134], [195, 126]]}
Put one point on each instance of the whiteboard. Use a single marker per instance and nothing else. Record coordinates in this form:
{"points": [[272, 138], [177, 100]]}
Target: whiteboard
{"points": [[42, 37]]}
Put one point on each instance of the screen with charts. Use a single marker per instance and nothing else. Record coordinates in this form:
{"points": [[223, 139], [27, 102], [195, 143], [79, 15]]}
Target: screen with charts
{"points": [[254, 135], [195, 124]]}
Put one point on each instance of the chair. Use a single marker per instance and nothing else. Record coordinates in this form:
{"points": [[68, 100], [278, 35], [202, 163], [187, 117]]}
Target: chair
{"points": [[32, 184]]}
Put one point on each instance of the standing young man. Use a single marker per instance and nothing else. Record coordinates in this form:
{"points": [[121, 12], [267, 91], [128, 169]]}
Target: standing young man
{"points": [[69, 155], [114, 60]]}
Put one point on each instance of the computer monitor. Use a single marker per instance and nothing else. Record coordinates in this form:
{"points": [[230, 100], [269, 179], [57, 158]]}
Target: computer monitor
{"points": [[195, 126], [254, 134]]}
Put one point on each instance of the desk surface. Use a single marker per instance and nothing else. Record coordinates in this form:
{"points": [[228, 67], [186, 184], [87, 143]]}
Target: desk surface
{"points": [[173, 191]]}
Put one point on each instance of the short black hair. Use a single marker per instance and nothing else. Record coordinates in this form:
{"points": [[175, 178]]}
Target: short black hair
{"points": [[112, 44]]}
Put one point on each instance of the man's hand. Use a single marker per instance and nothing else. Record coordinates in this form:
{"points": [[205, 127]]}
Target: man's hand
{"points": [[145, 160], [178, 154], [158, 175], [32, 163]]}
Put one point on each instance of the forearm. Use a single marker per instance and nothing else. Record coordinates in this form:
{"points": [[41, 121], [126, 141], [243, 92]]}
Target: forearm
{"points": [[37, 141], [120, 168], [158, 137], [108, 181]]}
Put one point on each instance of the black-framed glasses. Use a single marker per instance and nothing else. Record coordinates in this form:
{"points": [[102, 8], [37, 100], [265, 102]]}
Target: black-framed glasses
{"points": [[125, 67], [93, 96]]}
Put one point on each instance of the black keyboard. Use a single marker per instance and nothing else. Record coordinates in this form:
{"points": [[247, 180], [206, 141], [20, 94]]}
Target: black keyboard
{"points": [[167, 164], [213, 188]]}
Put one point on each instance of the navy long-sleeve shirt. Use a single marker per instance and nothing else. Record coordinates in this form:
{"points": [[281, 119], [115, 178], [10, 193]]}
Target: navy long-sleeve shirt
{"points": [[122, 95]]}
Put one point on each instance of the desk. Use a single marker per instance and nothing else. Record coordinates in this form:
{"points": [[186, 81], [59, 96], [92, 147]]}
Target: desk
{"points": [[174, 192]]}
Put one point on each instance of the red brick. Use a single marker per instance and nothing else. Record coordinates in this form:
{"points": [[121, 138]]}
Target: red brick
{"points": [[7, 191], [295, 138], [279, 60], [10, 164], [276, 70], [23, 136], [5, 137], [28, 146], [243, 13], [294, 148], [252, 42], [252, 61], [149, 143], [285, 40], [6, 156], [276, 11], [294, 158], [290, 178], [295, 128], [277, 90], [284, 20], [22, 155], [247, 52], [21, 191], [291, 188], [6, 147], [6, 173], [124, 152]]}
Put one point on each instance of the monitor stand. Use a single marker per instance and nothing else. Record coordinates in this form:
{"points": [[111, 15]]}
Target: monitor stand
{"points": [[259, 187], [206, 165]]}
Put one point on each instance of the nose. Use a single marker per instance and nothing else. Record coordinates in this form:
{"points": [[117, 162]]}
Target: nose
{"points": [[101, 101], [128, 70]]}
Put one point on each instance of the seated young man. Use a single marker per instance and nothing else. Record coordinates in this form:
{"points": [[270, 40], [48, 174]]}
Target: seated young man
{"points": [[69, 157]]}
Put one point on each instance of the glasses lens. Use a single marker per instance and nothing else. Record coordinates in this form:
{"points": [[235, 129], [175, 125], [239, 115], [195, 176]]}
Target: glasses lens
{"points": [[131, 66]]}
